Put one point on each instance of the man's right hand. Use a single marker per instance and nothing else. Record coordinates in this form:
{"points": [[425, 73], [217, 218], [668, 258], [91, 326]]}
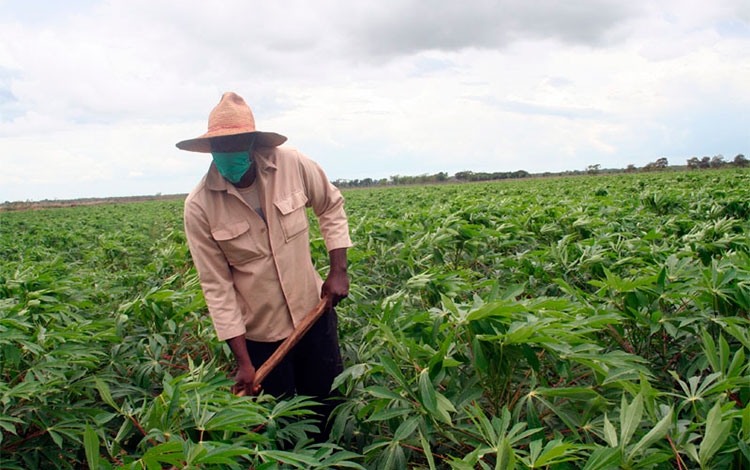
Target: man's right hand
{"points": [[245, 377], [244, 380]]}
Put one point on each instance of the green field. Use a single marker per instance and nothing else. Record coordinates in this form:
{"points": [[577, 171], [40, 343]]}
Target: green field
{"points": [[589, 322]]}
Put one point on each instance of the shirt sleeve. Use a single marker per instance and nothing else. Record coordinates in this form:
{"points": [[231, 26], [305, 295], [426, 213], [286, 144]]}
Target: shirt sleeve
{"points": [[327, 203], [214, 274]]}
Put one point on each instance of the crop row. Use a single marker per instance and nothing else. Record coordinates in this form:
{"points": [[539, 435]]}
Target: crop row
{"points": [[591, 322]]}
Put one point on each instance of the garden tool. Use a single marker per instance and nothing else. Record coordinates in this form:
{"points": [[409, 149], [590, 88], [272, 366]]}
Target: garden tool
{"points": [[288, 343]]}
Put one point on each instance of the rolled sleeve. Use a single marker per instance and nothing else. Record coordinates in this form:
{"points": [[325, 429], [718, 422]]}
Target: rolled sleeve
{"points": [[328, 205], [214, 274]]}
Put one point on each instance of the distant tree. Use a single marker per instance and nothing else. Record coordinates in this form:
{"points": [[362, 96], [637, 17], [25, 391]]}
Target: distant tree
{"points": [[442, 176], [740, 161], [704, 162], [593, 169], [631, 168], [661, 163], [464, 175], [693, 163], [718, 161]]}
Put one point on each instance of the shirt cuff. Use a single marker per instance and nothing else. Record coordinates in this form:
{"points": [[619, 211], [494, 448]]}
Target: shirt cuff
{"points": [[229, 333], [338, 242]]}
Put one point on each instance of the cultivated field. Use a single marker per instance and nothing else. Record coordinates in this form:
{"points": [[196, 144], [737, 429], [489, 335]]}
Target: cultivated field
{"points": [[590, 322]]}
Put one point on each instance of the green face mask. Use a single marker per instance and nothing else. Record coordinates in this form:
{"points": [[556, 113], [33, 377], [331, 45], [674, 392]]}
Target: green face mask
{"points": [[232, 165]]}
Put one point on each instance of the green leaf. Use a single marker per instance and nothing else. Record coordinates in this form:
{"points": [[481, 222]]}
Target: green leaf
{"points": [[91, 446], [444, 406], [174, 403], [222, 455], [709, 349], [715, 434], [388, 413], [167, 452], [427, 450], [105, 393], [610, 434], [745, 449], [427, 392], [390, 366], [56, 437], [406, 428], [603, 458], [506, 459], [658, 432], [382, 392], [630, 418], [552, 450], [481, 363], [354, 372]]}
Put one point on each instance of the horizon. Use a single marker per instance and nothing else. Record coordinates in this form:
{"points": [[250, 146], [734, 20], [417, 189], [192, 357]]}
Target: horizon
{"points": [[452, 180]]}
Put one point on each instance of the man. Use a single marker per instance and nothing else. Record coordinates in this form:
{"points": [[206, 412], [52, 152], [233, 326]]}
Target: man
{"points": [[247, 230]]}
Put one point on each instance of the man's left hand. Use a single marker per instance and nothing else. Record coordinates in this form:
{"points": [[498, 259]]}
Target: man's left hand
{"points": [[336, 287]]}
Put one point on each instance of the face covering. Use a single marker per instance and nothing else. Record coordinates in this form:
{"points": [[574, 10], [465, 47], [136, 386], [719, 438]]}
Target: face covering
{"points": [[232, 165]]}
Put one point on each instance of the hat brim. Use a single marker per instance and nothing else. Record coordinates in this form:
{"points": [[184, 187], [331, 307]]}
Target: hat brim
{"points": [[203, 145]]}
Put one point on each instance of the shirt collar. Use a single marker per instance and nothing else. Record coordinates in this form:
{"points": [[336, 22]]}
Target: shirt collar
{"points": [[265, 158]]}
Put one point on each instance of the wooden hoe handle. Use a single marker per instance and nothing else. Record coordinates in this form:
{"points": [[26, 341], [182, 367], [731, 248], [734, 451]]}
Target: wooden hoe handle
{"points": [[288, 343]]}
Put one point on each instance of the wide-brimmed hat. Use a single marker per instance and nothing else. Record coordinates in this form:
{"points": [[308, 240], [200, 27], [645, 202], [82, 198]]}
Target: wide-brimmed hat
{"points": [[231, 116]]}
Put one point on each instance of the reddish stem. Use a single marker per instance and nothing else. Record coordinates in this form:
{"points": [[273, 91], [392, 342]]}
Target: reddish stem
{"points": [[141, 429], [173, 365], [674, 449], [422, 451], [259, 427]]}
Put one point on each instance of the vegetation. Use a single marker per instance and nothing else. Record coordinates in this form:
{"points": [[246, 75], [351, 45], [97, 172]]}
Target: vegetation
{"points": [[597, 322]]}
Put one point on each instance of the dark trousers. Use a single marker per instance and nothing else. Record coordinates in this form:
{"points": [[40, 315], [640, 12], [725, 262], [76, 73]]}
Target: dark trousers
{"points": [[308, 369]]}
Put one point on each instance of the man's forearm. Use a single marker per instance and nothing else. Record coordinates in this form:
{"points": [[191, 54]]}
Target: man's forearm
{"points": [[239, 348], [337, 260]]}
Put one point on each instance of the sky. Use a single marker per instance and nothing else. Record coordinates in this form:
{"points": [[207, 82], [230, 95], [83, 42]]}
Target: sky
{"points": [[95, 94]]}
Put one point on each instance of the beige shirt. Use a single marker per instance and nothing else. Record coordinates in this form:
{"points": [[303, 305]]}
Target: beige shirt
{"points": [[252, 198], [258, 280]]}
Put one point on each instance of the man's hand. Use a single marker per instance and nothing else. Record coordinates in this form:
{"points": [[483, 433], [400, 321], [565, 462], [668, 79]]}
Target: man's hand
{"points": [[245, 377], [336, 285], [244, 380]]}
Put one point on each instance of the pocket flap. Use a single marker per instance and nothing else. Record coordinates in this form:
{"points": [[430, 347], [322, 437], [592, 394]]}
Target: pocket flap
{"points": [[291, 203], [231, 230]]}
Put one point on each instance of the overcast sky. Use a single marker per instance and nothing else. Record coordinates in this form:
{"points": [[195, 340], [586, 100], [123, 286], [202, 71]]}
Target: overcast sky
{"points": [[94, 94]]}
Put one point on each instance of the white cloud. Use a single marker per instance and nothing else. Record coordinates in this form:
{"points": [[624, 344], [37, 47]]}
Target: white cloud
{"points": [[97, 96]]}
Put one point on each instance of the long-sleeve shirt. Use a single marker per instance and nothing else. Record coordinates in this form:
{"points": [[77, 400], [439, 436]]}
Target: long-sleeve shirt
{"points": [[257, 276]]}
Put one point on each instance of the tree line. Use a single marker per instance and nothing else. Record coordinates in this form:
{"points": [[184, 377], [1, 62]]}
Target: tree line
{"points": [[440, 177], [693, 163]]}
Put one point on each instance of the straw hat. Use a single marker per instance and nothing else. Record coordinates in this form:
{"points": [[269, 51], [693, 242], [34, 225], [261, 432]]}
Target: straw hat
{"points": [[231, 116]]}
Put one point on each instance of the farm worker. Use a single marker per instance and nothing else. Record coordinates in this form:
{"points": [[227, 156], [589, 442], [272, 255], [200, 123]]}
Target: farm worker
{"points": [[247, 230]]}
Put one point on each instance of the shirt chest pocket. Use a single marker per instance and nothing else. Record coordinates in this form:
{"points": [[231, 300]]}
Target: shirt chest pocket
{"points": [[293, 217], [236, 241]]}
